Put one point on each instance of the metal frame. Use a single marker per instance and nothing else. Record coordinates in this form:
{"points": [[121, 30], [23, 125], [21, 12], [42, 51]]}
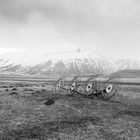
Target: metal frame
{"points": [[107, 91]]}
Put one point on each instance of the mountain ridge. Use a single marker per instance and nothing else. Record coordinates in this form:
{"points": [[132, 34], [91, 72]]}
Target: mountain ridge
{"points": [[62, 63]]}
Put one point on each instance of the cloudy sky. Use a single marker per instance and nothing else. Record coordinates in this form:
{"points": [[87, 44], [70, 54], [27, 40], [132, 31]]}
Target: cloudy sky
{"points": [[111, 27]]}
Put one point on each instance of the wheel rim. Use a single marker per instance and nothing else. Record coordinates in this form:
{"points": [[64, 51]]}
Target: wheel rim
{"points": [[110, 91], [58, 87], [89, 87], [109, 88], [73, 86]]}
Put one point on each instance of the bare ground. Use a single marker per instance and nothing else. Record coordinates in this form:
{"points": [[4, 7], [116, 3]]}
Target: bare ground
{"points": [[25, 115]]}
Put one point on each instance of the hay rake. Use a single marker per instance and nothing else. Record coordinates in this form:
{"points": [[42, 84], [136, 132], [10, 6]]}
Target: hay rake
{"points": [[97, 85], [88, 86], [102, 86]]}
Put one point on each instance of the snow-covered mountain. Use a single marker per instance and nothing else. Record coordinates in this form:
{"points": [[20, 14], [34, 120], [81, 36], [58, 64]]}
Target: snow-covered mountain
{"points": [[62, 63]]}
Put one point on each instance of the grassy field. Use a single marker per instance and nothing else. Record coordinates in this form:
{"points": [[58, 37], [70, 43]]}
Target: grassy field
{"points": [[25, 115]]}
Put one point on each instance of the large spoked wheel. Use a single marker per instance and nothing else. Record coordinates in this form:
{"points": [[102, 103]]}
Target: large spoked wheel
{"points": [[73, 87], [109, 91], [89, 89], [58, 88]]}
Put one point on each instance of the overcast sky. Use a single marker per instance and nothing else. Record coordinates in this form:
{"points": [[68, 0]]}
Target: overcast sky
{"points": [[111, 27]]}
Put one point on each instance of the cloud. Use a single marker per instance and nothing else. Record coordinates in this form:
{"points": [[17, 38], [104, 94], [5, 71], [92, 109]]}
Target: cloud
{"points": [[74, 15], [108, 25], [21, 10]]}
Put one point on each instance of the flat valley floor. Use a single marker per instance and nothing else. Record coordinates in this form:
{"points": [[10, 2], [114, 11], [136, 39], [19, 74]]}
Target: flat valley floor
{"points": [[34, 112]]}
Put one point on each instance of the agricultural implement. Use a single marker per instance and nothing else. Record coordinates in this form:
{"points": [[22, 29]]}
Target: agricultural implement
{"points": [[97, 86], [90, 86]]}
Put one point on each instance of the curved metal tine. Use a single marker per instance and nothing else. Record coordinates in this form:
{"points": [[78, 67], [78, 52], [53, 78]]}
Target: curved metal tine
{"points": [[93, 76], [64, 79], [63, 84], [113, 76], [74, 79]]}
